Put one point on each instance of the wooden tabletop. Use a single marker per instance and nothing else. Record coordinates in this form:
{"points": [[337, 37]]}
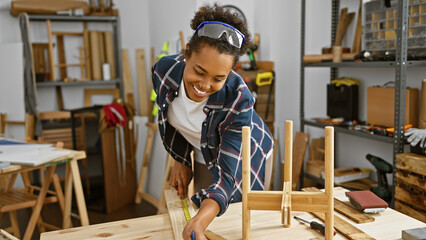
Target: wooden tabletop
{"points": [[264, 225], [13, 168]]}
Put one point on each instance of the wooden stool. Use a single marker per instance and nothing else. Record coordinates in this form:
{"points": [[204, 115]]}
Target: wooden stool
{"points": [[288, 200]]}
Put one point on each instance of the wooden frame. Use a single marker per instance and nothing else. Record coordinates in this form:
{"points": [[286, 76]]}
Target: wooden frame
{"points": [[288, 200]]}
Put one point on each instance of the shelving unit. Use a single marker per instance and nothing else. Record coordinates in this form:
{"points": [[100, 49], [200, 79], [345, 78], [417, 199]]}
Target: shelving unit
{"points": [[115, 22], [400, 66]]}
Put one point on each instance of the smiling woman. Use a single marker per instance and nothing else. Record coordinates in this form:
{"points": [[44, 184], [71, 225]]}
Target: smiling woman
{"points": [[203, 105]]}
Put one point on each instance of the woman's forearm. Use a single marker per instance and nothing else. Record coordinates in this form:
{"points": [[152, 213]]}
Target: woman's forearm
{"points": [[209, 209]]}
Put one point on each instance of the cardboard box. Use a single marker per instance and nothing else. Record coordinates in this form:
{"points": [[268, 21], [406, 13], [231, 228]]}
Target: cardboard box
{"points": [[381, 104]]}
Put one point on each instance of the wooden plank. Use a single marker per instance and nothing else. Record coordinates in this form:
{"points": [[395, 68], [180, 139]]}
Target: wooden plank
{"points": [[346, 210], [405, 178], [61, 57], [61, 34], [78, 190], [299, 149], [316, 151], [59, 98], [410, 211], [411, 162], [112, 179], [142, 85], [54, 115], [176, 213], [87, 59], [109, 53], [182, 41], [346, 229], [101, 46], [50, 52], [246, 181], [356, 46], [95, 55], [127, 74], [413, 198]]}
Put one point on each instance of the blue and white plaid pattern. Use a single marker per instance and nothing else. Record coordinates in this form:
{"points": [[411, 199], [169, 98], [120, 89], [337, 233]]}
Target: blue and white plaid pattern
{"points": [[227, 111]]}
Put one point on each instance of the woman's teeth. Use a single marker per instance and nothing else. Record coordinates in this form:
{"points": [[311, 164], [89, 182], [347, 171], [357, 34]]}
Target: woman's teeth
{"points": [[198, 91]]}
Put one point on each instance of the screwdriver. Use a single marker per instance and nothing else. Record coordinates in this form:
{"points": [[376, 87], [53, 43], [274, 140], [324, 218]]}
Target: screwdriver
{"points": [[315, 225]]}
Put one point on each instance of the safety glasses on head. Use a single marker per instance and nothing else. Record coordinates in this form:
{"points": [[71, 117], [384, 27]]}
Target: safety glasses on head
{"points": [[213, 29]]}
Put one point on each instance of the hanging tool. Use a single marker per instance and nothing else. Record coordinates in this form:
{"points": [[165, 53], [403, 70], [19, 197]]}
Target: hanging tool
{"points": [[263, 79], [315, 225], [250, 53], [382, 168]]}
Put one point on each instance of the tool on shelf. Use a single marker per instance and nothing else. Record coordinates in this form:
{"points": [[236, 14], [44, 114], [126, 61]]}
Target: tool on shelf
{"points": [[315, 225], [382, 168], [250, 53]]}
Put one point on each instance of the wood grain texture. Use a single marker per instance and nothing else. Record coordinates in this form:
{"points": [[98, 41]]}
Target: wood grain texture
{"points": [[265, 225], [95, 59], [299, 150], [142, 85], [109, 53], [87, 59], [176, 213], [127, 73], [50, 54], [346, 210]]}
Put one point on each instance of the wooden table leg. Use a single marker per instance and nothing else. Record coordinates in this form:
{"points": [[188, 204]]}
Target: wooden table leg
{"points": [[40, 201], [66, 223], [78, 189]]}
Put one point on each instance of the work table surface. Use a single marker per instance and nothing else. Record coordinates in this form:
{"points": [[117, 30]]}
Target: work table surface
{"points": [[264, 225]]}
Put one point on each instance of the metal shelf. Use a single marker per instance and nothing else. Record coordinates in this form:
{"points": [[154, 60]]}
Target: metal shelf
{"points": [[78, 83], [400, 66], [313, 123], [73, 18], [363, 64]]}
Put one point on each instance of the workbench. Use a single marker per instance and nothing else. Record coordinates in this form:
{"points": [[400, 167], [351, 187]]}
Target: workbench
{"points": [[264, 225], [72, 180]]}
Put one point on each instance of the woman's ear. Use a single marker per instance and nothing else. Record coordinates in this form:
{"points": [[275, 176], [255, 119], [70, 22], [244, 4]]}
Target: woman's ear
{"points": [[186, 51]]}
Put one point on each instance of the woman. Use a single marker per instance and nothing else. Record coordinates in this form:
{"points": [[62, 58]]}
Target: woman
{"points": [[203, 106]]}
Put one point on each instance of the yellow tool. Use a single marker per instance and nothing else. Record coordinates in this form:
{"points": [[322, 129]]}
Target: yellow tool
{"points": [[264, 78], [185, 210]]}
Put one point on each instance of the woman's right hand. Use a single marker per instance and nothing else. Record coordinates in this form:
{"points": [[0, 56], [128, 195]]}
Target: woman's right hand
{"points": [[180, 178]]}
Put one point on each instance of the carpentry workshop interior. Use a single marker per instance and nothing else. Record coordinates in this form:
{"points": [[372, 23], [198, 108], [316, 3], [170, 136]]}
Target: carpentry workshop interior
{"points": [[301, 119]]}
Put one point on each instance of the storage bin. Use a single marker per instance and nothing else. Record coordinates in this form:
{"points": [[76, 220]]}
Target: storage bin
{"points": [[381, 106], [342, 101]]}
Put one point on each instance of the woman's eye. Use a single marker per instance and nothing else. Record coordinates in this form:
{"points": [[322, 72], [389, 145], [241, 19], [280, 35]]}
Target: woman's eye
{"points": [[218, 80], [197, 72]]}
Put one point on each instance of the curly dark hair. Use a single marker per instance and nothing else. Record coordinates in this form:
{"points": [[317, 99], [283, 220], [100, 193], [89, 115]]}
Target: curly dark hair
{"points": [[218, 13]]}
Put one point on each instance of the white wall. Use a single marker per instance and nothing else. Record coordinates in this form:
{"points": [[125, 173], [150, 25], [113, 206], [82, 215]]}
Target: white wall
{"points": [[150, 23]]}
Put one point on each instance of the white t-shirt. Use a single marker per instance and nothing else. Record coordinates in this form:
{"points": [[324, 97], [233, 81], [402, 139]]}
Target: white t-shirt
{"points": [[187, 117]]}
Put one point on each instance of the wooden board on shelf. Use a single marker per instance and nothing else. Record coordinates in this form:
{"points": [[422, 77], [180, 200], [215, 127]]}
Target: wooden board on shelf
{"points": [[95, 55], [109, 53], [142, 85]]}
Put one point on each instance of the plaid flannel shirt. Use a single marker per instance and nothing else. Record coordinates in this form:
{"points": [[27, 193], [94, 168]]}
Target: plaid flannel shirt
{"points": [[227, 111]]}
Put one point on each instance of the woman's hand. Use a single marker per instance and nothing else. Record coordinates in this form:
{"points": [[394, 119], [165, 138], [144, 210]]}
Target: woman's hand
{"points": [[193, 226], [180, 178], [208, 211]]}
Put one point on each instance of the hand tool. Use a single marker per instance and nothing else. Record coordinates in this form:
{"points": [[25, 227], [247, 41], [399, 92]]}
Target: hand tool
{"points": [[382, 168], [315, 225], [187, 216]]}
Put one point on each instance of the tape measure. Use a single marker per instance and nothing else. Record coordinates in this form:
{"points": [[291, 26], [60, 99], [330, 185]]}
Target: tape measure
{"points": [[185, 210]]}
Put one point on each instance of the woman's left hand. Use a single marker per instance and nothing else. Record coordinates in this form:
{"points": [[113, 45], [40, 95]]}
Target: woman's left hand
{"points": [[195, 227]]}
